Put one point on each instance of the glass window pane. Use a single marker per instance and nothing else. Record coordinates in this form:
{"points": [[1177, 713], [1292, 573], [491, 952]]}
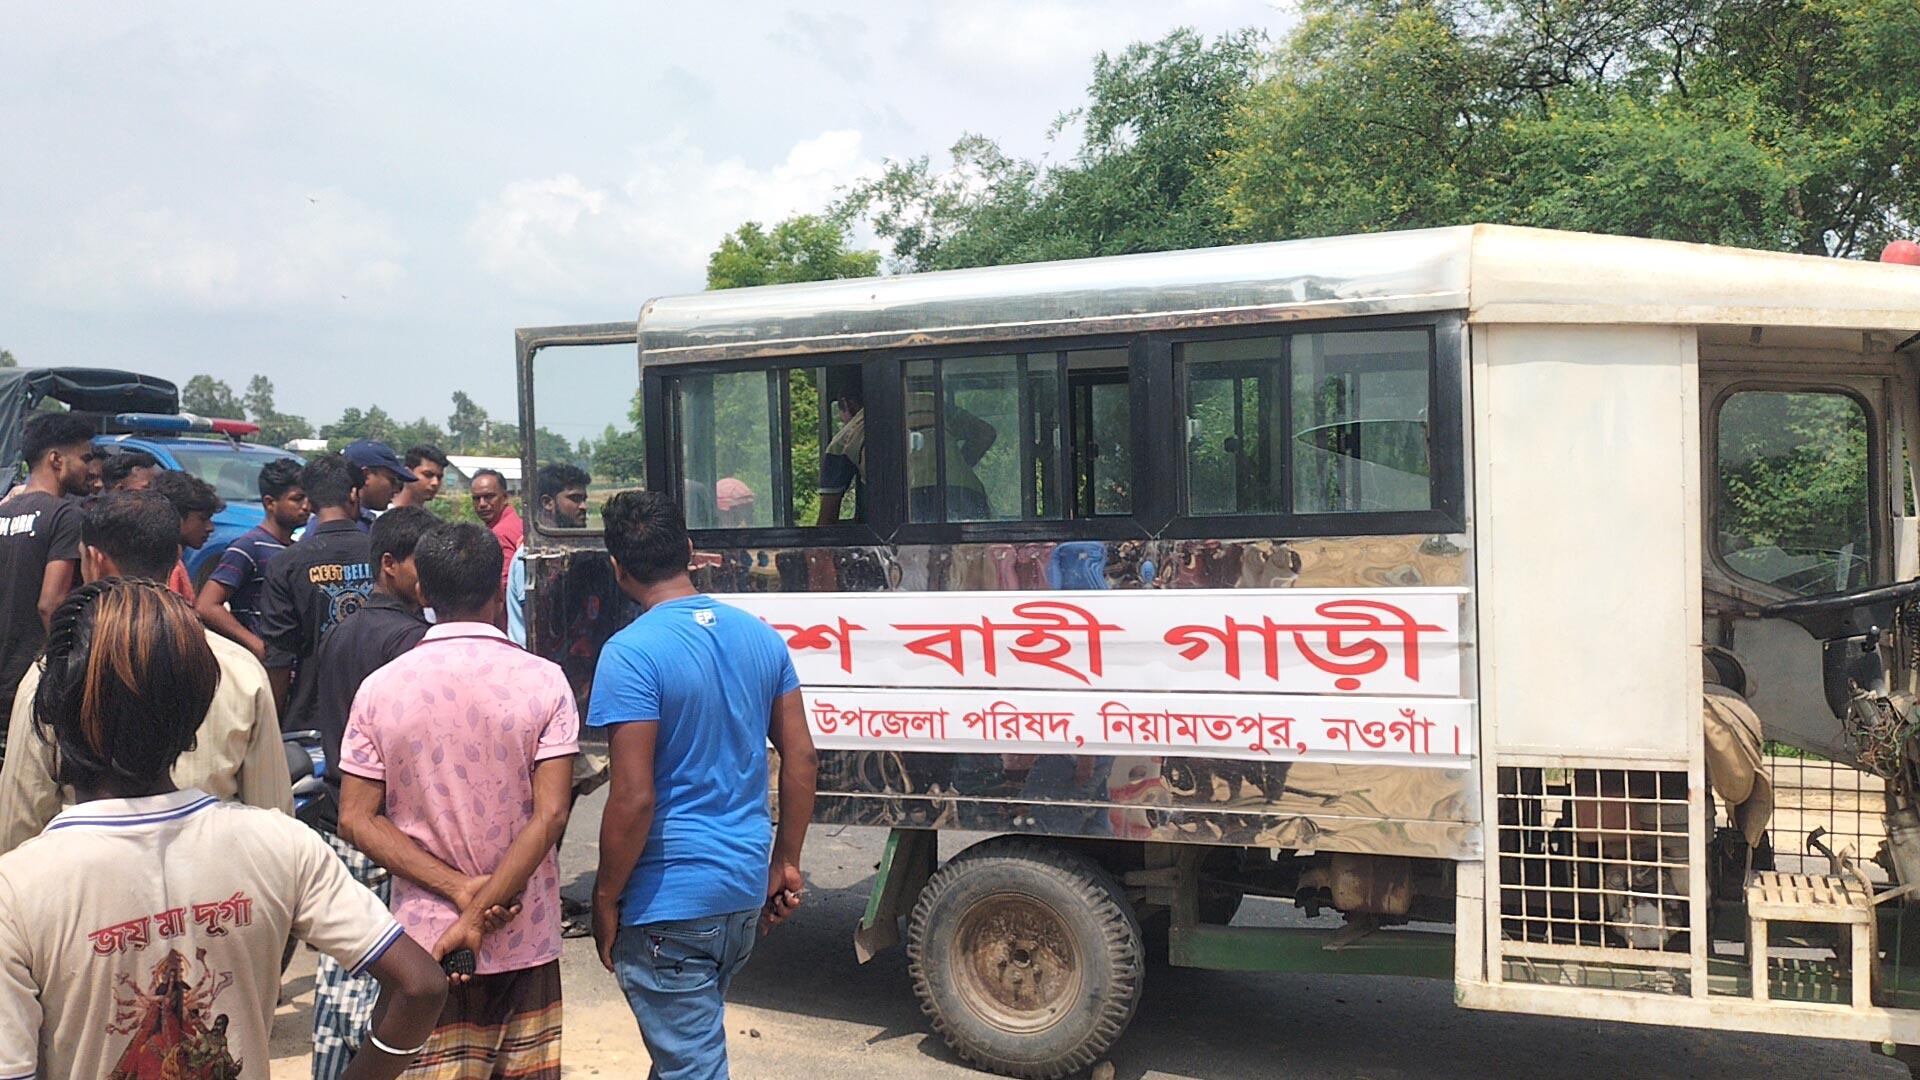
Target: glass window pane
{"points": [[1110, 445], [841, 461], [1793, 507], [588, 440], [1360, 422], [980, 442], [1233, 397], [1044, 468], [923, 442], [726, 447]]}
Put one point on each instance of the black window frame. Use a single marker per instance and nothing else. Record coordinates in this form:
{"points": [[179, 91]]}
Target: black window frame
{"points": [[528, 347], [1880, 503], [1158, 410], [1446, 394], [1063, 529], [664, 465]]}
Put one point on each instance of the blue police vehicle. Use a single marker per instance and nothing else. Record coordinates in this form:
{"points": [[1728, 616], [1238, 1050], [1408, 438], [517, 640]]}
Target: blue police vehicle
{"points": [[211, 450]]}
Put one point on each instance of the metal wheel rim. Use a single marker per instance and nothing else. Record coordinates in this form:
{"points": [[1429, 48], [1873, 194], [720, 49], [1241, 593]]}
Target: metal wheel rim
{"points": [[1018, 964]]}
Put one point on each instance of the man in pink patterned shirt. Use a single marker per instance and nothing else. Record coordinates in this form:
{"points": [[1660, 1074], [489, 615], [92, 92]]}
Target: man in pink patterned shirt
{"points": [[458, 769]]}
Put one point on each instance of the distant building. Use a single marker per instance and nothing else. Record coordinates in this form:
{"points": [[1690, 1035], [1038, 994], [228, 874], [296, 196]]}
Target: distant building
{"points": [[307, 446], [465, 465]]}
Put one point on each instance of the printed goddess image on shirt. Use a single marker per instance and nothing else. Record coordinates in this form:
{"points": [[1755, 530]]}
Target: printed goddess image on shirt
{"points": [[175, 1034]]}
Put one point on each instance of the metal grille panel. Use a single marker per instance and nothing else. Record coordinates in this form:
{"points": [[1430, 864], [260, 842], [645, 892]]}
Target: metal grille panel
{"points": [[1594, 874]]}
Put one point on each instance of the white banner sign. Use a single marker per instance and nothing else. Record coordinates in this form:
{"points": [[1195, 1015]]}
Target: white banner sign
{"points": [[1403, 642], [1433, 733]]}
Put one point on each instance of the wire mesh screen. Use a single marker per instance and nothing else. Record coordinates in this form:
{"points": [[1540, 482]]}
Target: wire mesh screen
{"points": [[1846, 805], [1594, 859]]}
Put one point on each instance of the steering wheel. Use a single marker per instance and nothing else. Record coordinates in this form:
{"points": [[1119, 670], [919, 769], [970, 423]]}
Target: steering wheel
{"points": [[1849, 613]]}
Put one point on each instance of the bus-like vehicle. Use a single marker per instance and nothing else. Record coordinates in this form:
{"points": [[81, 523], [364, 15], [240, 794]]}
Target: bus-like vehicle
{"points": [[1467, 587]]}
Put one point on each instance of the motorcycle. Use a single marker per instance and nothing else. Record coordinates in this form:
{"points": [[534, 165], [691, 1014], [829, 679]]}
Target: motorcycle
{"points": [[307, 767]]}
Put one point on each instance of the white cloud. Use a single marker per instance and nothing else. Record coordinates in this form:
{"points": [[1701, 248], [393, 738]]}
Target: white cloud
{"points": [[653, 230], [285, 248]]}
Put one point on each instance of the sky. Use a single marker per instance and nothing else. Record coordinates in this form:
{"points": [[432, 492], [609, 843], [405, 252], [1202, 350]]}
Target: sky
{"points": [[363, 202]]}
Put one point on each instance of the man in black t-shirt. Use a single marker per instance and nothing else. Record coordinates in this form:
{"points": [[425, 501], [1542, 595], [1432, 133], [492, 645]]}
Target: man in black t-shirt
{"points": [[315, 583], [40, 540]]}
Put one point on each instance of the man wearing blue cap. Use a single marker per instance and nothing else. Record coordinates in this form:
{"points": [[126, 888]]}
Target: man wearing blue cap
{"points": [[386, 475]]}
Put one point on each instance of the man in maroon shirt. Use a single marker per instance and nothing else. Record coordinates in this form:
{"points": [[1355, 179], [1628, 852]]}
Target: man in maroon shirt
{"points": [[489, 491]]}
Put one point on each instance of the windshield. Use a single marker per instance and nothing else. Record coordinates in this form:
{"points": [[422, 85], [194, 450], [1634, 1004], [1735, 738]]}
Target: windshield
{"points": [[234, 473], [1794, 510]]}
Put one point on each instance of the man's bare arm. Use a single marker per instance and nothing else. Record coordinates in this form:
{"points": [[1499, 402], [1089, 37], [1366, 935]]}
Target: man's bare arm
{"points": [[552, 801], [56, 581], [624, 826], [799, 772], [211, 606], [365, 825], [412, 993]]}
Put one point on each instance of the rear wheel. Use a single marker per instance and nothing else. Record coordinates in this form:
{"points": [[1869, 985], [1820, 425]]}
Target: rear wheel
{"points": [[1027, 957]]}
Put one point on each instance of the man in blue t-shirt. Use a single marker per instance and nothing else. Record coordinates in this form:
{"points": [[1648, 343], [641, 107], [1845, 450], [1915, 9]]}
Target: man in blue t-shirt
{"points": [[692, 692]]}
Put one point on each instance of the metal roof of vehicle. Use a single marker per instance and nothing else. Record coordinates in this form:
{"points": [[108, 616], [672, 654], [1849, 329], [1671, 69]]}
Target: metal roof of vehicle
{"points": [[1494, 273]]}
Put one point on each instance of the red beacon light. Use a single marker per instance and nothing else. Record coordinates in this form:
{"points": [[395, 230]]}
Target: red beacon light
{"points": [[1903, 252]]}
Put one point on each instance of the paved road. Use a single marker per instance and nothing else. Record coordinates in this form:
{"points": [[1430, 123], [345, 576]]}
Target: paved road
{"points": [[803, 1008]]}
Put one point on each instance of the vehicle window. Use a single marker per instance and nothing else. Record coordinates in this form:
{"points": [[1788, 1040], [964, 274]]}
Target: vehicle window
{"points": [[1233, 448], [986, 439], [1360, 422], [1308, 424], [234, 474], [588, 438], [769, 448], [1793, 506], [1103, 445]]}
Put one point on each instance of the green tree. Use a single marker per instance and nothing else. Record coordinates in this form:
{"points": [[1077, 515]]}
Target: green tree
{"points": [[207, 396], [809, 247], [276, 428], [1785, 124], [620, 455], [7, 360], [354, 424], [1144, 178], [468, 423], [423, 430], [551, 446]]}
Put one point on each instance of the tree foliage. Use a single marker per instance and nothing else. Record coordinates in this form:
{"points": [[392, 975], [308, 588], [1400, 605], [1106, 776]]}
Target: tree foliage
{"points": [[468, 424], [1144, 178], [808, 247], [207, 396], [7, 360], [1785, 124], [276, 428]]}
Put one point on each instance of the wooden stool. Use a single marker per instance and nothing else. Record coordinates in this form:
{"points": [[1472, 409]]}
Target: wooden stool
{"points": [[1812, 898]]}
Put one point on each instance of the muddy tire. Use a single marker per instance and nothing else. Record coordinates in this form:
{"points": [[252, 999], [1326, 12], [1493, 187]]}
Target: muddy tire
{"points": [[1027, 958]]}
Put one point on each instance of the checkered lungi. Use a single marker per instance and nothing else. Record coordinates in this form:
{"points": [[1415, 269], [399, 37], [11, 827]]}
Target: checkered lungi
{"points": [[342, 1004], [497, 1027]]}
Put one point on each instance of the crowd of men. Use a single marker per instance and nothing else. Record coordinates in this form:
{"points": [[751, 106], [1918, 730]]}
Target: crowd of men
{"points": [[151, 873]]}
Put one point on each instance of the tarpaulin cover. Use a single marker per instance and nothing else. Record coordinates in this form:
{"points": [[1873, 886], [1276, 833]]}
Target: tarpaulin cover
{"points": [[95, 390]]}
